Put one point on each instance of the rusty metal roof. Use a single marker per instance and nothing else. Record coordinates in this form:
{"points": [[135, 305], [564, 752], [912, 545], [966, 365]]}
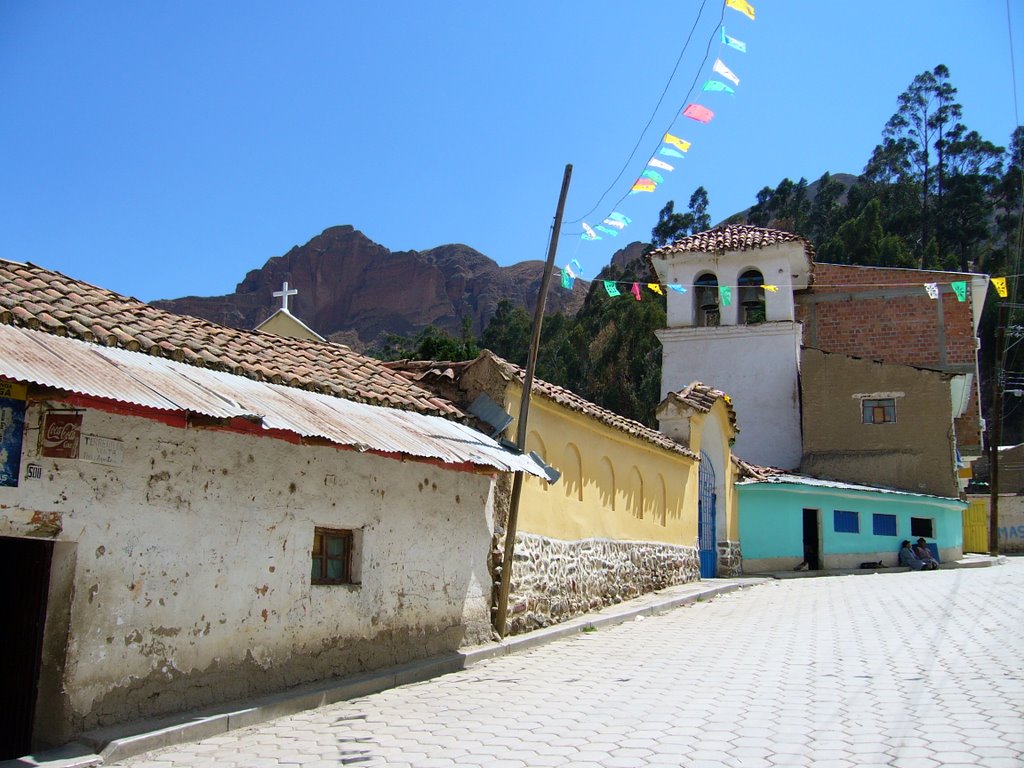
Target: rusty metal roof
{"points": [[123, 376]]}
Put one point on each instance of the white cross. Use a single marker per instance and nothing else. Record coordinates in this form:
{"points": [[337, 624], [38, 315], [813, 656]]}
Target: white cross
{"points": [[284, 293]]}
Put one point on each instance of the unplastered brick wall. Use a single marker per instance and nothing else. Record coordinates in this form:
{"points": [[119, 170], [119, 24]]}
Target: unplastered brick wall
{"points": [[885, 314]]}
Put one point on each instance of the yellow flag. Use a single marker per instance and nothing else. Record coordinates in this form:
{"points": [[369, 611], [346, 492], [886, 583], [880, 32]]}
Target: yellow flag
{"points": [[675, 141], [772, 288], [1000, 285], [655, 287], [742, 6]]}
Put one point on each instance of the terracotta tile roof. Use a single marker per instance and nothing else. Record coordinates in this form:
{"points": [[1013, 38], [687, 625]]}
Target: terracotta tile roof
{"points": [[425, 371], [33, 297], [703, 398], [733, 237], [748, 471]]}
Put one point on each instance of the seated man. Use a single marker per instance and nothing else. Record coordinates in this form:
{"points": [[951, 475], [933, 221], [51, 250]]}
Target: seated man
{"points": [[908, 559], [925, 555]]}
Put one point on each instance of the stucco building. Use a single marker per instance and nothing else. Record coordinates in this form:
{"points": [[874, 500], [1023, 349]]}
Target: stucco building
{"points": [[191, 514]]}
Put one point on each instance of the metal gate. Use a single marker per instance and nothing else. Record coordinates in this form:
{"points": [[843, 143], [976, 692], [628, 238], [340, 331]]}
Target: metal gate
{"points": [[706, 519]]}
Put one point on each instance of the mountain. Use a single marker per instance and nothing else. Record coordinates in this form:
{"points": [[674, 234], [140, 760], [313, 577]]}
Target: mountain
{"points": [[353, 290]]}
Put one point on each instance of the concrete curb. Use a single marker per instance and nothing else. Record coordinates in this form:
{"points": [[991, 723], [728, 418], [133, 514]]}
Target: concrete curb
{"points": [[106, 746]]}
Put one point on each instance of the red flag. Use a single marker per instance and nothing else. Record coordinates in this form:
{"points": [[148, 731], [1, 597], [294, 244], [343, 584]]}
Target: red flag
{"points": [[636, 291], [698, 113]]}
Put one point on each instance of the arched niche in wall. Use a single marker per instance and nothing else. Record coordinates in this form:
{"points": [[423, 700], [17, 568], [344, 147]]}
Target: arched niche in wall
{"points": [[606, 483], [635, 495], [536, 444], [661, 501], [572, 472]]}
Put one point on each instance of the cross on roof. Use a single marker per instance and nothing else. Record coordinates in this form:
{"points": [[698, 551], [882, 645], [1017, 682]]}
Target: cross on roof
{"points": [[284, 293]]}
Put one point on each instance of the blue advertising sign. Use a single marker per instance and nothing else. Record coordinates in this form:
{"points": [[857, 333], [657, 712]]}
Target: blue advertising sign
{"points": [[12, 428]]}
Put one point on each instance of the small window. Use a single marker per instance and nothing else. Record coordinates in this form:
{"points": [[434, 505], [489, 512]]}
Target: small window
{"points": [[332, 556], [879, 411], [751, 285], [883, 525], [922, 526], [846, 522]]}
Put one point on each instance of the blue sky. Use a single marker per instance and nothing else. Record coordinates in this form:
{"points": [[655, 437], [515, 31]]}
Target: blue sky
{"points": [[163, 150]]}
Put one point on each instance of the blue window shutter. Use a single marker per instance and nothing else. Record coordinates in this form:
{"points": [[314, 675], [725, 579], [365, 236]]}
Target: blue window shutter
{"points": [[846, 522]]}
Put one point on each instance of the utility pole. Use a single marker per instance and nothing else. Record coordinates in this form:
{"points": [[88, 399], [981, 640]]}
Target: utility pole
{"points": [[996, 433], [501, 614]]}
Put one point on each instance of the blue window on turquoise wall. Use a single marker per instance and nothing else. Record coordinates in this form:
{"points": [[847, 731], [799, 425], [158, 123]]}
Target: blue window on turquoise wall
{"points": [[884, 525], [846, 522]]}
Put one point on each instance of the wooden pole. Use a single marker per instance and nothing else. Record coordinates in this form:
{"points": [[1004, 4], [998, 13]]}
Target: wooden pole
{"points": [[501, 614], [996, 433]]}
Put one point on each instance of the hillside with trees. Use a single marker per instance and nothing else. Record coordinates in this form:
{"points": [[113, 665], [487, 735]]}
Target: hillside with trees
{"points": [[934, 194]]}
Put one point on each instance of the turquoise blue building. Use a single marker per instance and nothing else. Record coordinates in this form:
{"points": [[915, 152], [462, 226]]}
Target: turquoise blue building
{"points": [[788, 519]]}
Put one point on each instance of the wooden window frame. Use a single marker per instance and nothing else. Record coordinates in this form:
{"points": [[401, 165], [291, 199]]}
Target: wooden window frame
{"points": [[318, 574], [882, 524], [878, 411]]}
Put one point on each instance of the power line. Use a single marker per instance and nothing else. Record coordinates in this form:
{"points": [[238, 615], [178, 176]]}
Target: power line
{"points": [[654, 113]]}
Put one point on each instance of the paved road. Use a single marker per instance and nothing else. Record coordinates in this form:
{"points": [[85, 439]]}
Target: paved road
{"points": [[912, 670]]}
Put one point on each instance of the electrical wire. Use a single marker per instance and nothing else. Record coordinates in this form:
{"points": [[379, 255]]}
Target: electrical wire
{"points": [[654, 113]]}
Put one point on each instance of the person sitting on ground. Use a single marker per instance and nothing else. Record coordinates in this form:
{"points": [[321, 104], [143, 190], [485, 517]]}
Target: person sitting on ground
{"points": [[908, 559], [925, 555]]}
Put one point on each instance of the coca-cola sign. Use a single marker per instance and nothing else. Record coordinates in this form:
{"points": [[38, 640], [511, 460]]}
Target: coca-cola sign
{"points": [[60, 435]]}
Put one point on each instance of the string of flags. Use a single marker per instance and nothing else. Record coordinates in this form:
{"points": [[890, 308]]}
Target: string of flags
{"points": [[671, 146], [725, 292]]}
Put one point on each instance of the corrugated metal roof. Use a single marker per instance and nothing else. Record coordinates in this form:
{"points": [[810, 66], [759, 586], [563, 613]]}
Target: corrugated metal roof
{"points": [[154, 382], [790, 479]]}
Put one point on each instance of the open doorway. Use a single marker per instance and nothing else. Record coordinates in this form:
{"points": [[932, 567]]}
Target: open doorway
{"points": [[812, 539], [25, 574]]}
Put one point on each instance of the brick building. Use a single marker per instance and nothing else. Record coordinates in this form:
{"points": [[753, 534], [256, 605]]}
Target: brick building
{"points": [[884, 314], [755, 298]]}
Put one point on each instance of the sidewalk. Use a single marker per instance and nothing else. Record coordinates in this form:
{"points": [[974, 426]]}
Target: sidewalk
{"points": [[969, 560], [105, 746]]}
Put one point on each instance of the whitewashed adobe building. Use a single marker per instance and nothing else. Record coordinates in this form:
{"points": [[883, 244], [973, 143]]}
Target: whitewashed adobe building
{"points": [[191, 514]]}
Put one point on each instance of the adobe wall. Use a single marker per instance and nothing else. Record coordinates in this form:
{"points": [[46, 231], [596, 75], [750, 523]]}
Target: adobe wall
{"points": [[885, 314], [913, 453], [182, 574]]}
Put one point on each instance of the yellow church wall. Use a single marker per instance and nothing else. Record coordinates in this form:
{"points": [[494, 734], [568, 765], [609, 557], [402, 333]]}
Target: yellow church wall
{"points": [[613, 485], [282, 324]]}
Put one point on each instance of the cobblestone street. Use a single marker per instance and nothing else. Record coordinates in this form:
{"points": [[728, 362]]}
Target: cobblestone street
{"points": [[905, 669]]}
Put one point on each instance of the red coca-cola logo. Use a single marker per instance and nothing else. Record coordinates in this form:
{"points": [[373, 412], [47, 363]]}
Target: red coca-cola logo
{"points": [[60, 435]]}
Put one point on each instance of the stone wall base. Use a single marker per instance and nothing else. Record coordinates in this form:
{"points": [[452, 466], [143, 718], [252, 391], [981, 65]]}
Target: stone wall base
{"points": [[730, 559], [553, 580]]}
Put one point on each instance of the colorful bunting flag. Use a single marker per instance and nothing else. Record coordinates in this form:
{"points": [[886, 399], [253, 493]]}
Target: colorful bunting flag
{"points": [[589, 233], [725, 72], [698, 113], [681, 144], [717, 86], [932, 290], [668, 152], [732, 42], [579, 267], [771, 288], [960, 289], [619, 217], [742, 6], [609, 286], [656, 288], [999, 283], [677, 288], [654, 176], [613, 223], [635, 290], [643, 185], [725, 292], [612, 232], [567, 279], [655, 163]]}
